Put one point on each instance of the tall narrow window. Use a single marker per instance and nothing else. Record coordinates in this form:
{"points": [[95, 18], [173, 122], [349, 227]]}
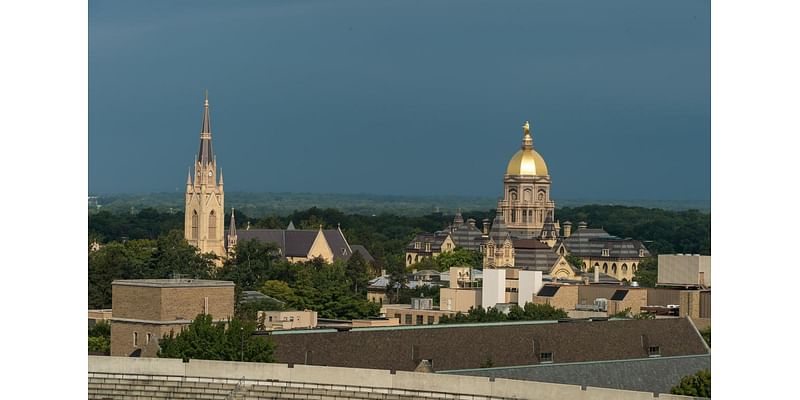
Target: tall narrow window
{"points": [[212, 225], [135, 339], [195, 222]]}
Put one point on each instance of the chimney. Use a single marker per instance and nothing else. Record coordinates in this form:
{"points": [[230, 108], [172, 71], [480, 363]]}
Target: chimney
{"points": [[582, 225], [567, 229], [597, 274], [486, 226], [471, 222]]}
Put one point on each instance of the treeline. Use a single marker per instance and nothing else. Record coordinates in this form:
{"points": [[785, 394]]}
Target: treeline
{"points": [[662, 231], [386, 235], [531, 312], [335, 290]]}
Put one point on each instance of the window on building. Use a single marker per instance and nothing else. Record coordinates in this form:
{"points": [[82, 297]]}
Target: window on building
{"points": [[408, 319], [270, 319], [430, 320], [147, 339], [135, 339], [427, 247], [605, 252], [417, 244], [212, 225], [195, 222], [641, 252], [546, 357], [420, 319], [654, 351]]}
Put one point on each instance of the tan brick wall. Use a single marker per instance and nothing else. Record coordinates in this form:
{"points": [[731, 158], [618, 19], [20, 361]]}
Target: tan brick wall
{"points": [[635, 300], [122, 338], [566, 298], [136, 302], [458, 299], [187, 302]]}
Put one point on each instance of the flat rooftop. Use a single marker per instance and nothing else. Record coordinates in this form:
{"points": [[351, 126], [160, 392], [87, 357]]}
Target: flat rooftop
{"points": [[169, 283]]}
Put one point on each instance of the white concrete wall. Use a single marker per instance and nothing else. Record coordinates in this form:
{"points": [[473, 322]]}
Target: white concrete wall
{"points": [[529, 284], [494, 287], [355, 379]]}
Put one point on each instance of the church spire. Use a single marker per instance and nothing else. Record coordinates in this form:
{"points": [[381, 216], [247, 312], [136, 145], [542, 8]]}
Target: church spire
{"points": [[206, 154], [527, 139], [232, 228]]}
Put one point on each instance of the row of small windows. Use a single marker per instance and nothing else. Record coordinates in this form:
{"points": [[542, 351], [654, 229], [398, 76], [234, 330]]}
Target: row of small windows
{"points": [[136, 339], [624, 269], [526, 196]]}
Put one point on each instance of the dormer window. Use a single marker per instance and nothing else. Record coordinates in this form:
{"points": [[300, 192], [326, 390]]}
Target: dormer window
{"points": [[416, 245], [605, 252], [427, 247], [641, 252], [653, 351]]}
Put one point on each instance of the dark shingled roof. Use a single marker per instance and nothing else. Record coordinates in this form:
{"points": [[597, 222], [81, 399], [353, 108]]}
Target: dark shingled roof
{"points": [[435, 239], [363, 251], [507, 344], [298, 242], [655, 375], [466, 235], [588, 242]]}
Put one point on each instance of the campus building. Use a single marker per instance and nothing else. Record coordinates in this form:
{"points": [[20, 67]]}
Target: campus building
{"points": [[144, 310]]}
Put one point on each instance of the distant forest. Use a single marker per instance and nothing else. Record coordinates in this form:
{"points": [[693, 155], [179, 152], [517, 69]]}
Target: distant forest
{"points": [[385, 235], [284, 204]]}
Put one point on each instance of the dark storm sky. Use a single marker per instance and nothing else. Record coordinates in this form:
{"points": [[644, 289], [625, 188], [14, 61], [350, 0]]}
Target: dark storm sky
{"points": [[403, 97]]}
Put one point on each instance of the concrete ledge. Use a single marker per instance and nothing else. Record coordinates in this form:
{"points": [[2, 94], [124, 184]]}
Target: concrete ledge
{"points": [[213, 379]]}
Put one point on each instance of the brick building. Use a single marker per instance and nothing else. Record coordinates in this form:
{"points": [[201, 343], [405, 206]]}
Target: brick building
{"points": [[144, 310]]}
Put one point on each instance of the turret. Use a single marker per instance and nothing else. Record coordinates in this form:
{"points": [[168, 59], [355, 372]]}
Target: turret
{"points": [[567, 229]]}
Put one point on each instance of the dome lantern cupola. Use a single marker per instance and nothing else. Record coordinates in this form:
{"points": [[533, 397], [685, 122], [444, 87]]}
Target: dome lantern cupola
{"points": [[527, 161]]}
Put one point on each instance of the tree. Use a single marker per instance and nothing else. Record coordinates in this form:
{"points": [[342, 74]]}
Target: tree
{"points": [[357, 272], [99, 344], [697, 385], [458, 258], [576, 262], [647, 272], [206, 340], [279, 290], [531, 312]]}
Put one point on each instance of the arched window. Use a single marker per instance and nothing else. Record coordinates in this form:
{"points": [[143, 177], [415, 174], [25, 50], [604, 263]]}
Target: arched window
{"points": [[409, 258], [633, 268], [614, 268], [605, 268], [195, 221], [527, 195], [513, 195], [212, 225], [624, 268]]}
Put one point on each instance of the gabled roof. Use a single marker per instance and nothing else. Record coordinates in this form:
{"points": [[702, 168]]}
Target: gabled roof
{"points": [[363, 251], [588, 242], [435, 239], [298, 242]]}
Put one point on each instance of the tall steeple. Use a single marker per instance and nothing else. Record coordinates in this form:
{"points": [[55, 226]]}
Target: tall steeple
{"points": [[232, 238], [206, 154], [205, 198]]}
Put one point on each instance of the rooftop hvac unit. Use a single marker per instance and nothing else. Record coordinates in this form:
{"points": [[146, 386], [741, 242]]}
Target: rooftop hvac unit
{"points": [[601, 304]]}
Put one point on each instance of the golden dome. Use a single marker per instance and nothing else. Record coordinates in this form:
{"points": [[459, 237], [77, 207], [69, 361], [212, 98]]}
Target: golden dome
{"points": [[527, 161]]}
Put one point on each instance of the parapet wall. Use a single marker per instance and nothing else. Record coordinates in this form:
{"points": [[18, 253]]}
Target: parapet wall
{"points": [[319, 381]]}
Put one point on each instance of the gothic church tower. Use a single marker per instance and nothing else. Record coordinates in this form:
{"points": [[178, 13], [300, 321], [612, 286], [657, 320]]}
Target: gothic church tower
{"points": [[205, 198]]}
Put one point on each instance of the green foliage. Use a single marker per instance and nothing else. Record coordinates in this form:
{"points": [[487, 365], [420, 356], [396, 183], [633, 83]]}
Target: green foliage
{"points": [[697, 385], [406, 294], [531, 312], [647, 272], [253, 263], [662, 231], [99, 344], [706, 333], [146, 224], [248, 312], [622, 314], [206, 340], [576, 262], [102, 329], [327, 290], [458, 258], [143, 259], [279, 290], [100, 337], [358, 272]]}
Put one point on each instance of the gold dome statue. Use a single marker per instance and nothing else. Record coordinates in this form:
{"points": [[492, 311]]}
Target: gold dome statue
{"points": [[527, 161]]}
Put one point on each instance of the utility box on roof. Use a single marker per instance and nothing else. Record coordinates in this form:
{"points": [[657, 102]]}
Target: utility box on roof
{"points": [[687, 270]]}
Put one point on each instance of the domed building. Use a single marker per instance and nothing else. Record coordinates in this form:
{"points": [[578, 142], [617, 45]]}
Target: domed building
{"points": [[526, 204]]}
